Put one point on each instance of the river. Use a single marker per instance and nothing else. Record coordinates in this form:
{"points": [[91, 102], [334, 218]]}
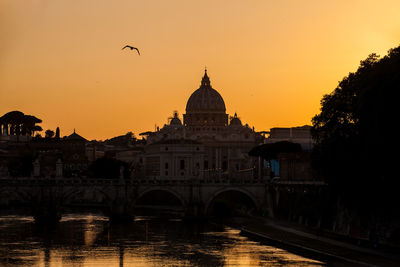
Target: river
{"points": [[87, 239]]}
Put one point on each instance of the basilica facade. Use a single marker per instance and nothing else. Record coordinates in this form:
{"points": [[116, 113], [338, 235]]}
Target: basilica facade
{"points": [[208, 142]]}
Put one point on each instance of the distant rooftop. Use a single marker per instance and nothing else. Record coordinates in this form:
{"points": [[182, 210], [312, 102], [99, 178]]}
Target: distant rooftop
{"points": [[75, 137]]}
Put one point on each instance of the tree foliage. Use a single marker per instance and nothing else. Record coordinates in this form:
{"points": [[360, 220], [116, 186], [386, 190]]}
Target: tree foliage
{"points": [[352, 132], [18, 123], [57, 133], [49, 134]]}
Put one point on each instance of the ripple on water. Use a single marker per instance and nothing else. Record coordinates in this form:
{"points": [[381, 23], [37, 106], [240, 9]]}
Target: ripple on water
{"points": [[89, 240], [12, 219]]}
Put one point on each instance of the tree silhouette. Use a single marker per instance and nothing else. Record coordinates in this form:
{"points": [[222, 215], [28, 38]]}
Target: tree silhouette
{"points": [[57, 133], [29, 125], [36, 128], [13, 121], [16, 122], [49, 134], [352, 132]]}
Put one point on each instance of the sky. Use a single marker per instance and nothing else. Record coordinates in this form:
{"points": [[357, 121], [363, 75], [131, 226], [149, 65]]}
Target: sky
{"points": [[272, 61]]}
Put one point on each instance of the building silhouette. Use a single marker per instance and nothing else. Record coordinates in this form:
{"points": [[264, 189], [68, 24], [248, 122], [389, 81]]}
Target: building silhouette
{"points": [[208, 142], [204, 142]]}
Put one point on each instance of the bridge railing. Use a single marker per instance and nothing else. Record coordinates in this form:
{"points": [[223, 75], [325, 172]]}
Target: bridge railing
{"points": [[58, 181], [207, 177], [245, 177]]}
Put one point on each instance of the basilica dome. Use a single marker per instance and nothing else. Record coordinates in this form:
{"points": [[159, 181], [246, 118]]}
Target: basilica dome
{"points": [[235, 121], [205, 99], [175, 120]]}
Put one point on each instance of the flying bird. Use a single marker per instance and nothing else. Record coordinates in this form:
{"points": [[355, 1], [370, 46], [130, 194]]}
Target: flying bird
{"points": [[131, 47]]}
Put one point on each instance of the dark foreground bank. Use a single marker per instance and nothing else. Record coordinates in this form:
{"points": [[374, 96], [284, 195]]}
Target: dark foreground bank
{"points": [[298, 240]]}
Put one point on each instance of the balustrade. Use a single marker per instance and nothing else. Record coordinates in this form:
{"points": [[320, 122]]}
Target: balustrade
{"points": [[242, 177]]}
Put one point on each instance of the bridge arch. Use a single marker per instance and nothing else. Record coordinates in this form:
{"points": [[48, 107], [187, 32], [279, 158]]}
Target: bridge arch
{"points": [[20, 195], [71, 193], [9, 194], [226, 199], [161, 193]]}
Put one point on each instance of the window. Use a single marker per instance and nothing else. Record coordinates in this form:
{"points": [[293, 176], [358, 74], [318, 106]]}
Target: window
{"points": [[182, 164], [206, 164], [166, 165]]}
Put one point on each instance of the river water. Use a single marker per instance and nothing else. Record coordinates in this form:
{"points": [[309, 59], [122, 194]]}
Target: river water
{"points": [[88, 239]]}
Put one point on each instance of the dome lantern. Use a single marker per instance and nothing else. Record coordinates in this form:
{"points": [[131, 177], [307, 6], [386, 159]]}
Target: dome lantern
{"points": [[205, 81]]}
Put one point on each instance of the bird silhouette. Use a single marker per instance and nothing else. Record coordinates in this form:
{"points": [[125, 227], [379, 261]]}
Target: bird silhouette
{"points": [[131, 47]]}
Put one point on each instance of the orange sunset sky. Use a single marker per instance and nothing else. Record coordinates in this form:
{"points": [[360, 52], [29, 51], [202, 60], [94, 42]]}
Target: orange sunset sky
{"points": [[272, 61]]}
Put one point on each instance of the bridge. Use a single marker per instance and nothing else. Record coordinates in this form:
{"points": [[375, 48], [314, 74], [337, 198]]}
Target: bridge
{"points": [[190, 197]]}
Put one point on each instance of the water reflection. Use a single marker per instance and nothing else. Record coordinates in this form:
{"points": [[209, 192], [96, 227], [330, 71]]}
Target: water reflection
{"points": [[89, 240]]}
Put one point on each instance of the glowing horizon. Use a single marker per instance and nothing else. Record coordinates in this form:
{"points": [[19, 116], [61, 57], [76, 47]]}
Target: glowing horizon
{"points": [[271, 62]]}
